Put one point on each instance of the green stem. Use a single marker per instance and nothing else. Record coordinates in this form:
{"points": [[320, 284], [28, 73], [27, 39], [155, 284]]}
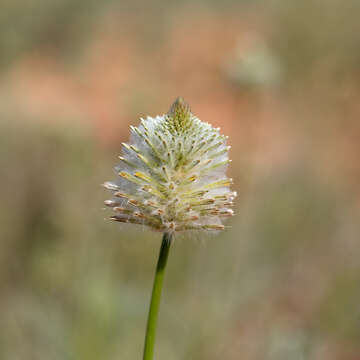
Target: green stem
{"points": [[155, 297]]}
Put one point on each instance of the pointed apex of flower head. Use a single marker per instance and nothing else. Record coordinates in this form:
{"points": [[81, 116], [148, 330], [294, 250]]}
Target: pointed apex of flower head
{"points": [[172, 175], [179, 107], [179, 114]]}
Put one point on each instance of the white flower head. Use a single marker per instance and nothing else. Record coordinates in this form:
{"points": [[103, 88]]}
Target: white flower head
{"points": [[172, 175]]}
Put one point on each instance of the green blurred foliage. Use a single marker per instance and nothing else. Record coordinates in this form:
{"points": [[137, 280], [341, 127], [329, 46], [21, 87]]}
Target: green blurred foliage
{"points": [[317, 33], [59, 25]]}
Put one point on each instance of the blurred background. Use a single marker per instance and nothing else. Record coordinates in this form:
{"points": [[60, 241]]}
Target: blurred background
{"points": [[281, 78]]}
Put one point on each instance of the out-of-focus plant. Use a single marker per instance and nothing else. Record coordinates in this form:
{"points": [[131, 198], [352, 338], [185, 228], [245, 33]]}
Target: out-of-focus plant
{"points": [[254, 65]]}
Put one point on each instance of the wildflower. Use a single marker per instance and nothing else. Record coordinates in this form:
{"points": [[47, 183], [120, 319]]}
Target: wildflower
{"points": [[172, 175]]}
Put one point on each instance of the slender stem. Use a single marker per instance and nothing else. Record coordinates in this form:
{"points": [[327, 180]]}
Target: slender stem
{"points": [[155, 297]]}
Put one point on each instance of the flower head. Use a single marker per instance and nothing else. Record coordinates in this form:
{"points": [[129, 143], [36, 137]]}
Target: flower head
{"points": [[172, 174]]}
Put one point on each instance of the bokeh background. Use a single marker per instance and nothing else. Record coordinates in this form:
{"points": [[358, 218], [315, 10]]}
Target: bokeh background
{"points": [[281, 78]]}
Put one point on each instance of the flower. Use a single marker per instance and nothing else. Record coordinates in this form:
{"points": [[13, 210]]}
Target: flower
{"points": [[172, 174]]}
